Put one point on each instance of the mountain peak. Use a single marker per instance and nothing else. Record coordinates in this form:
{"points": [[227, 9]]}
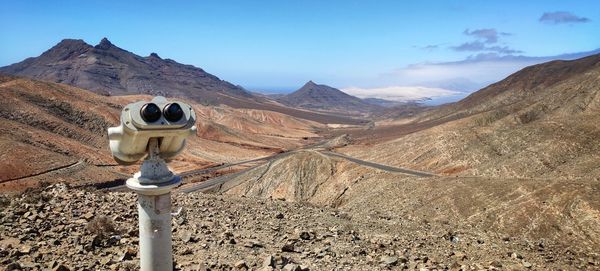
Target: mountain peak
{"points": [[66, 48], [71, 43], [310, 83], [325, 98], [104, 44], [313, 87], [154, 55]]}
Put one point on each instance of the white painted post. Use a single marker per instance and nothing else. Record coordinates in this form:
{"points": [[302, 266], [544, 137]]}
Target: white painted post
{"points": [[153, 184], [155, 232]]}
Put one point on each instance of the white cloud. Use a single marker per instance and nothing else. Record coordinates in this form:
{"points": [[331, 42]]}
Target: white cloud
{"points": [[479, 71], [400, 93], [467, 75]]}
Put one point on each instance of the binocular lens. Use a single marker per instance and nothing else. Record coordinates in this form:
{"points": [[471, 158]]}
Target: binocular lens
{"points": [[173, 112], [150, 112]]}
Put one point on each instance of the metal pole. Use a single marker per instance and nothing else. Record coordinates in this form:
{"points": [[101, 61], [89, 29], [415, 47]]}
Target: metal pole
{"points": [[155, 232], [153, 184]]}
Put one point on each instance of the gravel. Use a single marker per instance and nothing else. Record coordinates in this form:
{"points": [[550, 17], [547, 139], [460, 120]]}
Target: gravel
{"points": [[59, 228]]}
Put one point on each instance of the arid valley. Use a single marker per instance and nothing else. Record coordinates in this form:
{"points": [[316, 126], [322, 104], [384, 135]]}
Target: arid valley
{"points": [[507, 178], [460, 148]]}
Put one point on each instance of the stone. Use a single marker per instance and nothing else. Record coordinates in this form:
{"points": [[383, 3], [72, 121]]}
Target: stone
{"points": [[61, 267], [186, 236], [281, 261], [496, 264], [459, 255], [515, 255], [269, 261], [114, 240], [291, 267], [304, 235], [455, 266], [241, 265], [52, 264], [30, 265], [129, 254], [252, 243], [25, 249], [13, 266], [106, 260], [389, 260], [289, 247]]}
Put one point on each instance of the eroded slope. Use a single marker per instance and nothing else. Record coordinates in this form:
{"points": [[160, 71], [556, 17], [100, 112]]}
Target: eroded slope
{"points": [[550, 130], [561, 215], [48, 127]]}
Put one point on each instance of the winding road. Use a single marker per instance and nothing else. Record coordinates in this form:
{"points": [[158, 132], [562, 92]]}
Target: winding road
{"points": [[379, 166], [49, 171], [203, 186], [225, 178]]}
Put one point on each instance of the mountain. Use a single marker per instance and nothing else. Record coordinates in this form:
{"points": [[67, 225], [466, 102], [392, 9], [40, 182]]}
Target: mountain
{"points": [[539, 122], [532, 83], [518, 161], [325, 98], [109, 70]]}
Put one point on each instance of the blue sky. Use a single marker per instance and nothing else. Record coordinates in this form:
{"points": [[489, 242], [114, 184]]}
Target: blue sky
{"points": [[279, 45]]}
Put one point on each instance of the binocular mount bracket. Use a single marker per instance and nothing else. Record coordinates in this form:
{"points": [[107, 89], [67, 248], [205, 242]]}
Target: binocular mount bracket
{"points": [[154, 177]]}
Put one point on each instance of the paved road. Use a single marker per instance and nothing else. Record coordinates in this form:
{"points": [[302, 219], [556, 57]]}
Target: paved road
{"points": [[225, 178], [379, 166], [215, 168], [211, 183], [50, 171], [210, 169], [317, 147], [214, 181]]}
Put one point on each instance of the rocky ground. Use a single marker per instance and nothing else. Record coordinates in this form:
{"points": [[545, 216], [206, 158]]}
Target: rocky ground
{"points": [[59, 228]]}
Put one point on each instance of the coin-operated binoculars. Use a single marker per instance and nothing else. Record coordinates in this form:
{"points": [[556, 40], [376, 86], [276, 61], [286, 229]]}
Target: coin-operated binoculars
{"points": [[157, 130]]}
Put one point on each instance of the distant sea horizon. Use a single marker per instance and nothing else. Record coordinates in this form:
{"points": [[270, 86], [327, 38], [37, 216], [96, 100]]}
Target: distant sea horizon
{"points": [[430, 102], [446, 99]]}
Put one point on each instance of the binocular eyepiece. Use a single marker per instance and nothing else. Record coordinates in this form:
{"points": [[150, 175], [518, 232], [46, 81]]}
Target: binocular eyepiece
{"points": [[170, 122], [172, 112]]}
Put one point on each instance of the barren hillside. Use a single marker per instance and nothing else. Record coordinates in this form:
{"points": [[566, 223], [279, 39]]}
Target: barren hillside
{"points": [[525, 171], [528, 130], [558, 215], [56, 130], [258, 128]]}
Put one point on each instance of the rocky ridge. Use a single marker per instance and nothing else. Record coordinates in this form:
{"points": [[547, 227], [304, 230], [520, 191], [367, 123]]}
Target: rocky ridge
{"points": [[107, 69], [110, 70]]}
